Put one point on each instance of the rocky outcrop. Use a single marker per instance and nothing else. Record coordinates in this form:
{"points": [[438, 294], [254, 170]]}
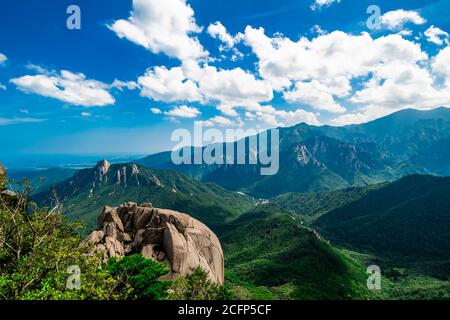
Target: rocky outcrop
{"points": [[101, 170], [158, 234]]}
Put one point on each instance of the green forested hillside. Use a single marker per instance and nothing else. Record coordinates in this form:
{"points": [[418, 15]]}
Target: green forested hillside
{"points": [[270, 255], [310, 206], [407, 220]]}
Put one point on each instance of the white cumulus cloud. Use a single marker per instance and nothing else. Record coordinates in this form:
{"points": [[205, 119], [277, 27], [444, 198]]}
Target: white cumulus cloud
{"points": [[120, 85], [168, 85], [155, 110], [183, 112], [227, 89], [436, 35], [359, 76], [314, 94], [218, 31], [69, 87], [399, 86], [221, 121], [235, 87], [441, 63], [323, 3], [322, 69], [398, 18], [162, 27]]}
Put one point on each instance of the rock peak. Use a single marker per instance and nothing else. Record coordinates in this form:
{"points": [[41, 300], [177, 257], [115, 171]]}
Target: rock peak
{"points": [[158, 234], [103, 166]]}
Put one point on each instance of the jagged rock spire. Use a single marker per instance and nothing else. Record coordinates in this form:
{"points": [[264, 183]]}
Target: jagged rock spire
{"points": [[103, 166]]}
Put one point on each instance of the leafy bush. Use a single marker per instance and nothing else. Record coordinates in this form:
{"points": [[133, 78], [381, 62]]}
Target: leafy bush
{"points": [[138, 277], [197, 286], [37, 247]]}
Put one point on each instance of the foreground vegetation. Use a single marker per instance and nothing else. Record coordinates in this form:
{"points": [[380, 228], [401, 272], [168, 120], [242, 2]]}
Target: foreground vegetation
{"points": [[270, 253], [42, 258]]}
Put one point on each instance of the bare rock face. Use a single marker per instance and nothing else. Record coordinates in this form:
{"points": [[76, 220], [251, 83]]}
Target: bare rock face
{"points": [[158, 234], [101, 170]]}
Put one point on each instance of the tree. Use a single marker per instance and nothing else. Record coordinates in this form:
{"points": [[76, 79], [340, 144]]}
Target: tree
{"points": [[36, 248], [197, 286], [138, 277]]}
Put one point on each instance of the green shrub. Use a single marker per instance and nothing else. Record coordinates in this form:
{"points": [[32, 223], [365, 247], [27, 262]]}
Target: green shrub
{"points": [[197, 286], [36, 248], [138, 277]]}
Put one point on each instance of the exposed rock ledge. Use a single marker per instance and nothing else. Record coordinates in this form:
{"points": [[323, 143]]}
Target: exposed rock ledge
{"points": [[159, 234]]}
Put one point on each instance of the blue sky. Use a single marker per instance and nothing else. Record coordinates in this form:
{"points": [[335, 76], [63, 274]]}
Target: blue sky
{"points": [[138, 70]]}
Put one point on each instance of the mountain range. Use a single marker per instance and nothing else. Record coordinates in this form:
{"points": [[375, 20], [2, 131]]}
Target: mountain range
{"points": [[324, 158]]}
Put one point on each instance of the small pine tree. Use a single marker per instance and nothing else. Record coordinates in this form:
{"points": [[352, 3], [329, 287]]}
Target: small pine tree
{"points": [[197, 286], [138, 277]]}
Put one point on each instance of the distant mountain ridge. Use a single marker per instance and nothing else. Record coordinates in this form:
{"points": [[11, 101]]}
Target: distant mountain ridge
{"points": [[84, 194], [323, 158]]}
